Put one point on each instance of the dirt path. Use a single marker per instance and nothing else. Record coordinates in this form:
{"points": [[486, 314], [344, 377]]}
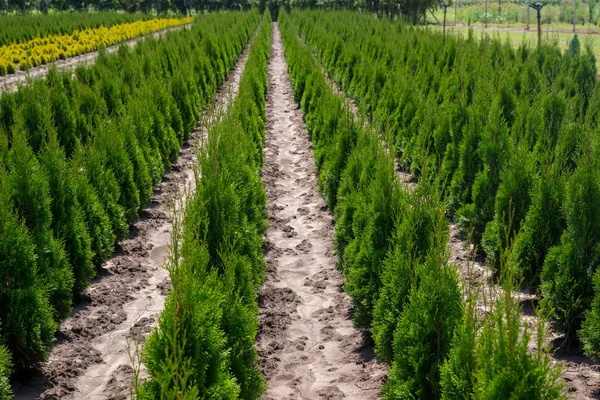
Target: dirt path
{"points": [[11, 82], [91, 358], [308, 347]]}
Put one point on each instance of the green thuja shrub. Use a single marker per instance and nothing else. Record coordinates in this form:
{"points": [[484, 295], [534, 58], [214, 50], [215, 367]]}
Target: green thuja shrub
{"points": [[505, 365], [373, 203], [183, 101], [456, 375], [540, 232], [30, 194], [8, 110], [112, 146], [5, 372], [141, 170], [68, 222], [108, 88], [162, 128], [590, 330], [512, 202], [103, 180], [148, 142], [567, 288], [186, 356], [493, 149], [63, 116], [95, 215], [469, 163], [397, 277], [240, 325], [25, 313], [33, 116], [425, 329], [412, 241]]}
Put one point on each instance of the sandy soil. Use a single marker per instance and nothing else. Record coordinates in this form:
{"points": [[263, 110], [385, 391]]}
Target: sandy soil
{"points": [[91, 359], [307, 344], [11, 82]]}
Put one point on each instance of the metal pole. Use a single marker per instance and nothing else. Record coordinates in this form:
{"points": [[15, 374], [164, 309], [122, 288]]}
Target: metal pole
{"points": [[574, 14], [486, 16], [455, 5], [528, 19], [538, 7], [539, 17], [445, 5]]}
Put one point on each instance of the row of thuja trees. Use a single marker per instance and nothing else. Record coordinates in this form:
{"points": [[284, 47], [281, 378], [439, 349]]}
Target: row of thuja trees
{"points": [[508, 136], [204, 345], [391, 244], [79, 155]]}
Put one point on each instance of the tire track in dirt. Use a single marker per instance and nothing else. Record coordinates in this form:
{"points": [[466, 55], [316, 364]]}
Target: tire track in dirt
{"points": [[580, 374], [11, 82], [307, 344], [91, 359]]}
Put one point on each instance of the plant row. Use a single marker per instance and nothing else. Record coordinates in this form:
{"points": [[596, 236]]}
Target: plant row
{"points": [[79, 155], [43, 50], [508, 135], [391, 247], [204, 345], [23, 28]]}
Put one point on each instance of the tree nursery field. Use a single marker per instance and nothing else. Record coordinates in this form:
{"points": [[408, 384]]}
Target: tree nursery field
{"points": [[294, 203]]}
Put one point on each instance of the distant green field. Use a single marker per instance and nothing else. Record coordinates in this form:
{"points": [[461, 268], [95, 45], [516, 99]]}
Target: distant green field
{"points": [[549, 35]]}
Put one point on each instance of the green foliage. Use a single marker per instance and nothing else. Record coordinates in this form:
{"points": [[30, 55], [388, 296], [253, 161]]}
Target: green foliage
{"points": [[425, 329], [539, 232], [501, 146], [412, 241], [186, 355], [21, 28], [5, 372], [505, 365], [475, 136], [68, 222], [27, 323], [30, 194], [512, 203], [590, 331], [568, 269], [204, 346], [79, 155], [457, 373]]}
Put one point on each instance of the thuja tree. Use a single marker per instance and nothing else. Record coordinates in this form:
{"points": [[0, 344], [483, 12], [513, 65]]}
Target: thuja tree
{"points": [[30, 194], [590, 331], [512, 202], [567, 288], [423, 337], [415, 235], [493, 359], [27, 326], [368, 203], [539, 232], [5, 372], [68, 222]]}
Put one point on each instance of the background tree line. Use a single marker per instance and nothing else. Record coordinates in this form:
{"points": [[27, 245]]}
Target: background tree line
{"points": [[145, 6], [410, 10]]}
